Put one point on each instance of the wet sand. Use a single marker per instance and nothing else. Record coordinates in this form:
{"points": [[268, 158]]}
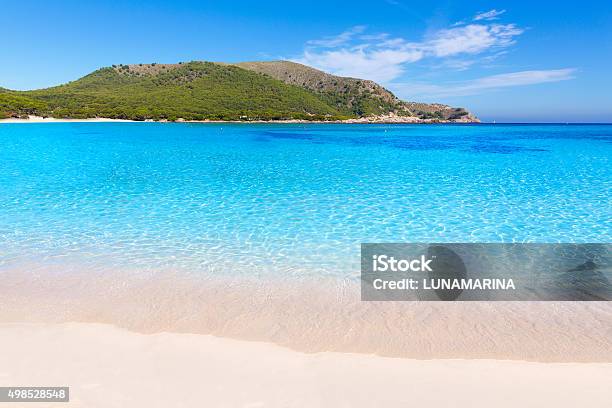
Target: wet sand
{"points": [[309, 315]]}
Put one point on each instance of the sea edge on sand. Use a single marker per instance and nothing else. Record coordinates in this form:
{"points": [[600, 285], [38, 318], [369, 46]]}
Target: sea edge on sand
{"points": [[281, 312], [165, 368]]}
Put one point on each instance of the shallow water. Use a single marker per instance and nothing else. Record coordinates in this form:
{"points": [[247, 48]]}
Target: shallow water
{"points": [[294, 200]]}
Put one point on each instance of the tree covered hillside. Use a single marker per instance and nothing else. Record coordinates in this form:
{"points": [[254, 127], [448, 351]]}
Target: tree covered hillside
{"points": [[272, 90], [192, 91]]}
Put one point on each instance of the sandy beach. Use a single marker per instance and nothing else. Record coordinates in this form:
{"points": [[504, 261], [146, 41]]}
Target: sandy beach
{"points": [[160, 339], [40, 119], [109, 367], [309, 315]]}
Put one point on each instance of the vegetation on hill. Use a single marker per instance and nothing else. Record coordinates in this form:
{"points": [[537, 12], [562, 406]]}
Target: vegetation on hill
{"points": [[192, 91], [205, 90], [14, 104], [351, 96]]}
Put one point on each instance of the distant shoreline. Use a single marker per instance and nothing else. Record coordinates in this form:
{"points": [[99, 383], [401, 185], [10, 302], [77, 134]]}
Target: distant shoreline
{"points": [[54, 120], [372, 120], [38, 119]]}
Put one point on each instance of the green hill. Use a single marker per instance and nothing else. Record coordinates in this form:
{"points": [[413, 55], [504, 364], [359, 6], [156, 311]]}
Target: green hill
{"points": [[206, 90], [351, 96], [355, 97], [16, 104]]}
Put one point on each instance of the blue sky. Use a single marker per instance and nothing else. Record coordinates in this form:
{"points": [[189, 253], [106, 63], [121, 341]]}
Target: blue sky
{"points": [[504, 60]]}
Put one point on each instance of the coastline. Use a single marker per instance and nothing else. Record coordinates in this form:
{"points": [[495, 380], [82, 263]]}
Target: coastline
{"points": [[110, 367], [38, 119], [308, 315], [366, 120]]}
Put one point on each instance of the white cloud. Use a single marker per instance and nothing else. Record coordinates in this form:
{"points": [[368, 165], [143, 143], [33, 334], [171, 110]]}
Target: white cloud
{"points": [[489, 15], [480, 85], [380, 65], [338, 40], [472, 39], [383, 58], [458, 64]]}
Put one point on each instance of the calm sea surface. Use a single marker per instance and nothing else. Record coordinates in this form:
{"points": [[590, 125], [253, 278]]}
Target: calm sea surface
{"points": [[291, 199]]}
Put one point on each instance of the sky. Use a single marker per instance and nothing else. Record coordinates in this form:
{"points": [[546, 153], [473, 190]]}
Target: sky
{"points": [[506, 61]]}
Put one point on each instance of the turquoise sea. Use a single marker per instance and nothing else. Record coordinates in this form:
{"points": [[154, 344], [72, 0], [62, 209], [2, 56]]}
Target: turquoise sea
{"points": [[291, 199]]}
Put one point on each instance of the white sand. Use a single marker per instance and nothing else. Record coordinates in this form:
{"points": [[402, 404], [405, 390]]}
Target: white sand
{"points": [[40, 119], [463, 350], [109, 367]]}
